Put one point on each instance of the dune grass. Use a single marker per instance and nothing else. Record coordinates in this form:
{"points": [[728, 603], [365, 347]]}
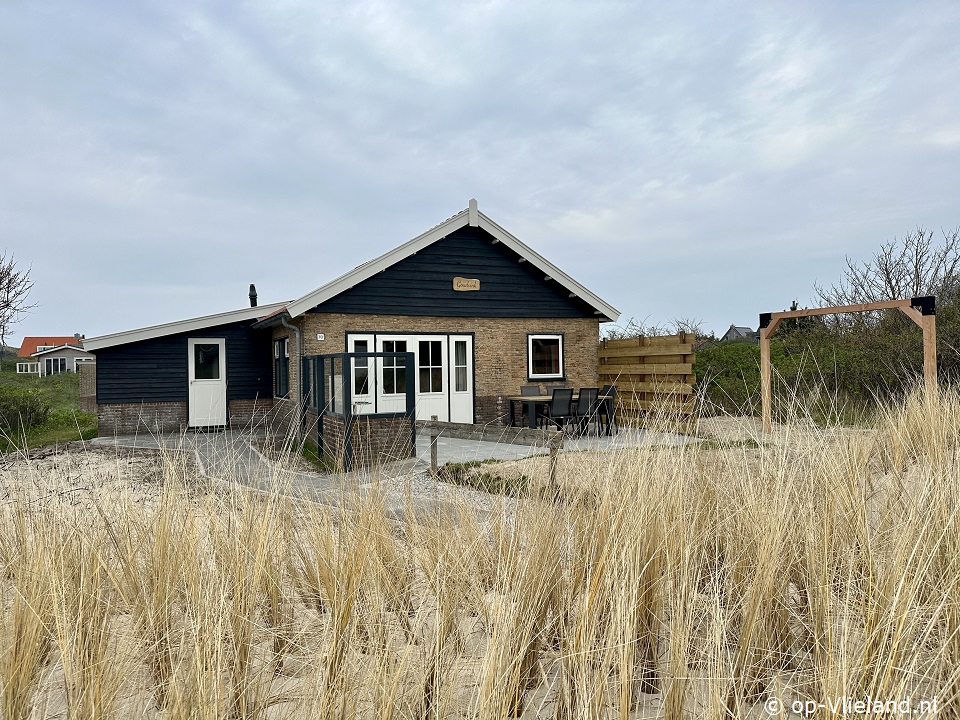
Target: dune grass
{"points": [[668, 582]]}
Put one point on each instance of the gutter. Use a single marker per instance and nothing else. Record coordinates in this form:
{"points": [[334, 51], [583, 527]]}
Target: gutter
{"points": [[299, 405]]}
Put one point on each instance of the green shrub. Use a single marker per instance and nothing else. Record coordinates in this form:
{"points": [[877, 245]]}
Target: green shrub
{"points": [[21, 409]]}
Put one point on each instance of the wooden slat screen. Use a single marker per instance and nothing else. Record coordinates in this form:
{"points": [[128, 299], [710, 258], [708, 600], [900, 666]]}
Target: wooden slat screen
{"points": [[654, 375]]}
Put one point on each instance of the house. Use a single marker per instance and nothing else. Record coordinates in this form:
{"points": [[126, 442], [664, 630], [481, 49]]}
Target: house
{"points": [[737, 333], [52, 355], [481, 312]]}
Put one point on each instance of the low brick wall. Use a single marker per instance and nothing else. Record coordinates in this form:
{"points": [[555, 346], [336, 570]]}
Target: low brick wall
{"points": [[375, 440], [250, 414], [132, 418]]}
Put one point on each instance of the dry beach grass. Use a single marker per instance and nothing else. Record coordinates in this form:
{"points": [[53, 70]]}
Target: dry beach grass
{"points": [[679, 581]]}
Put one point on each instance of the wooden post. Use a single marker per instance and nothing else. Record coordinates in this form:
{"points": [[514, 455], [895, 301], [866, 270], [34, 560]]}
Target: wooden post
{"points": [[434, 436], [556, 445], [930, 353], [766, 398]]}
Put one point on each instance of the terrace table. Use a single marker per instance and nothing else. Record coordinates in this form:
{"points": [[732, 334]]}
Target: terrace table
{"points": [[534, 401]]}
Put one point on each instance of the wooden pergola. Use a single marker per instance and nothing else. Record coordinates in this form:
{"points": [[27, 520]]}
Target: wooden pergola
{"points": [[922, 310]]}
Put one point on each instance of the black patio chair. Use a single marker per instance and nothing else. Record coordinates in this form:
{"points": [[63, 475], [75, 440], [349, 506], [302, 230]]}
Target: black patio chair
{"points": [[530, 391], [587, 409], [560, 412], [606, 407]]}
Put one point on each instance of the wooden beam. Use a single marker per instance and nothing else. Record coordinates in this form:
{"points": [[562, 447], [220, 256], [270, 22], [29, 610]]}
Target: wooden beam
{"points": [[863, 307], [914, 315]]}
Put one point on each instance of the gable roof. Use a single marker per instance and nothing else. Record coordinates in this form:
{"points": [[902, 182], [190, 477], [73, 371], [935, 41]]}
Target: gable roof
{"points": [[61, 348], [30, 344], [472, 217], [155, 331]]}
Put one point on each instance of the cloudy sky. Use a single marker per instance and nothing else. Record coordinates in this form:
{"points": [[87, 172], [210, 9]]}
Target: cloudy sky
{"points": [[681, 159]]}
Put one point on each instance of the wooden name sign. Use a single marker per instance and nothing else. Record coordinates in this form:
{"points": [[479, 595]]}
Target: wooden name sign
{"points": [[465, 284]]}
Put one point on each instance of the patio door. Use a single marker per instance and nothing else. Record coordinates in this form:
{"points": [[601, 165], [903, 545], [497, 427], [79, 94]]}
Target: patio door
{"points": [[361, 375], [392, 373], [207, 374], [432, 376], [461, 378]]}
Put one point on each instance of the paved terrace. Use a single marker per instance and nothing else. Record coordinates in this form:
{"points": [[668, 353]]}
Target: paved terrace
{"points": [[230, 456]]}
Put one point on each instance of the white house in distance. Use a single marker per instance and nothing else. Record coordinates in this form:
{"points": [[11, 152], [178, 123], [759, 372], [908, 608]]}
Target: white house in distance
{"points": [[52, 355]]}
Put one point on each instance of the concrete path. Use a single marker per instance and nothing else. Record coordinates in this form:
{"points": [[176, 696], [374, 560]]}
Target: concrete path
{"points": [[229, 456]]}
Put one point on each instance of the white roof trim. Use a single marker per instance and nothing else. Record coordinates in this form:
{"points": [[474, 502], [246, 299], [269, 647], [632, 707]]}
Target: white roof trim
{"points": [[79, 349], [369, 269], [155, 331]]}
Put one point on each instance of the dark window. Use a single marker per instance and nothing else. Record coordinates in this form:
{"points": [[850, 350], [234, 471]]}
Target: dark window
{"points": [[394, 369], [281, 368], [361, 369], [206, 361], [460, 364], [55, 365], [545, 356], [431, 366]]}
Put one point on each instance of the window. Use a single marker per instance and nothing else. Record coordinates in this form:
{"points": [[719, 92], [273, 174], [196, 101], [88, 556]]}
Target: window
{"points": [[460, 365], [544, 356], [32, 368], [361, 369], [41, 348], [281, 368], [52, 366], [394, 368], [431, 366], [206, 361]]}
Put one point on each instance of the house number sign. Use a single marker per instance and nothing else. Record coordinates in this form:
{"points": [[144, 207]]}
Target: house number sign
{"points": [[465, 284]]}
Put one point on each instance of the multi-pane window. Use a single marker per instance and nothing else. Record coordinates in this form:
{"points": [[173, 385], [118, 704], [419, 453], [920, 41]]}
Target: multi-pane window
{"points": [[545, 356], [281, 368], [53, 366], [430, 363], [394, 368], [361, 369], [460, 365]]}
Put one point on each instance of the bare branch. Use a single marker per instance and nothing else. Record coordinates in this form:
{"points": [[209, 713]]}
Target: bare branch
{"points": [[15, 287]]}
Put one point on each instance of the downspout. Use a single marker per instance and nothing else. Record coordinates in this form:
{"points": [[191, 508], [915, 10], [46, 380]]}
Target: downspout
{"points": [[299, 408]]}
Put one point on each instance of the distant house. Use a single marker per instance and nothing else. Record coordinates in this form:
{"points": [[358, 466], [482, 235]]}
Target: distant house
{"points": [[737, 333], [52, 354]]}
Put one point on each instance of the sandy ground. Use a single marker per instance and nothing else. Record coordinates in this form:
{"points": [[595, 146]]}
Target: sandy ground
{"points": [[76, 473]]}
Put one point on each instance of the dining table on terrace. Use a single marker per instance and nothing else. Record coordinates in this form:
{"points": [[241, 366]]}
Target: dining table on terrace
{"points": [[535, 402]]}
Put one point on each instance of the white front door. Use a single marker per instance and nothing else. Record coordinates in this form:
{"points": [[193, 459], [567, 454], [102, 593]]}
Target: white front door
{"points": [[461, 378], [361, 375], [207, 396]]}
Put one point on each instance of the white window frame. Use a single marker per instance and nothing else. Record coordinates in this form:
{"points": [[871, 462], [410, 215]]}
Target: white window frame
{"points": [[544, 376], [30, 368]]}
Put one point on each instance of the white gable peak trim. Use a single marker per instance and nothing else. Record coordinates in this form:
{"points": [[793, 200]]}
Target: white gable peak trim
{"points": [[465, 217]]}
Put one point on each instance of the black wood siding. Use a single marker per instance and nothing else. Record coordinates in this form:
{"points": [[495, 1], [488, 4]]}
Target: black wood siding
{"points": [[156, 370], [422, 284]]}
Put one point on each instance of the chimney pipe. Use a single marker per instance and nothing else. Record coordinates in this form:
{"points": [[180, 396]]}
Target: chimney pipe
{"points": [[253, 295]]}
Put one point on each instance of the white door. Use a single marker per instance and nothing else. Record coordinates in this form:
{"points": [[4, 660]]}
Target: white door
{"points": [[361, 375], [432, 377], [207, 396], [392, 373], [461, 379]]}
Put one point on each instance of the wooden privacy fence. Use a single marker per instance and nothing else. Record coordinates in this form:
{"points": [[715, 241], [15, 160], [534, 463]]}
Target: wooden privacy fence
{"points": [[653, 375]]}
